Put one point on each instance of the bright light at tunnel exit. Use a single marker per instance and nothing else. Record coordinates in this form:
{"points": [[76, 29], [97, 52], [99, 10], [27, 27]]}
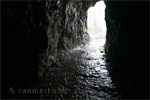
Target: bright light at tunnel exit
{"points": [[96, 22]]}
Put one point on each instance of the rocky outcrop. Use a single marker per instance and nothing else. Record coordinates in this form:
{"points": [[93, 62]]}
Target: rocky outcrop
{"points": [[35, 33], [127, 46]]}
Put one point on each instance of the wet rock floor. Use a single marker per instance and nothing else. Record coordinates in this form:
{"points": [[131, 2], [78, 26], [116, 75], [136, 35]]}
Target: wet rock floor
{"points": [[80, 74]]}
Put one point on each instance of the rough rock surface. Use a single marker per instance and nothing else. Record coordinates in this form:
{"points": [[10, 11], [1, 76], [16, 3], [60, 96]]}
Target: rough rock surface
{"points": [[126, 46], [36, 33]]}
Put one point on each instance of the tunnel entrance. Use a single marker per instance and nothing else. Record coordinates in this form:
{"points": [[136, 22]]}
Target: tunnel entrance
{"points": [[82, 72], [96, 23]]}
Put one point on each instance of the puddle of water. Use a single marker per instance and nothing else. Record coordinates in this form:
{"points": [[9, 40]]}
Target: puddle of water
{"points": [[82, 73], [97, 68]]}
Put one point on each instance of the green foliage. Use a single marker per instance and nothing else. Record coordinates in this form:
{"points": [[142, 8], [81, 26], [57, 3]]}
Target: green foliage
{"points": [[84, 29], [106, 48], [88, 36]]}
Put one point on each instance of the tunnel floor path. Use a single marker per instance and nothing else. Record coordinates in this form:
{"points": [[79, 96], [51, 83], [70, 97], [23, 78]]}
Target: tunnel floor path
{"points": [[80, 74]]}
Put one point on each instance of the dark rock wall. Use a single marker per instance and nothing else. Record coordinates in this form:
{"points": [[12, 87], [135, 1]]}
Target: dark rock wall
{"points": [[34, 33], [24, 41], [127, 46]]}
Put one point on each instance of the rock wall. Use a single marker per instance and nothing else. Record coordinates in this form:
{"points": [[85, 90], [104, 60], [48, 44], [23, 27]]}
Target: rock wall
{"points": [[127, 46], [35, 33]]}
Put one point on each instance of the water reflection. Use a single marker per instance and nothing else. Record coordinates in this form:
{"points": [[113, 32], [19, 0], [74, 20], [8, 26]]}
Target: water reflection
{"points": [[82, 71]]}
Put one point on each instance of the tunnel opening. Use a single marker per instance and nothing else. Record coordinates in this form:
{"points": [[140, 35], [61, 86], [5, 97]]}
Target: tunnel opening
{"points": [[53, 41], [96, 24]]}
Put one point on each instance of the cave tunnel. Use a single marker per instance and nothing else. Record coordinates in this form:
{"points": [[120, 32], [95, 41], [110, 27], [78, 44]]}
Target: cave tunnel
{"points": [[62, 49]]}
